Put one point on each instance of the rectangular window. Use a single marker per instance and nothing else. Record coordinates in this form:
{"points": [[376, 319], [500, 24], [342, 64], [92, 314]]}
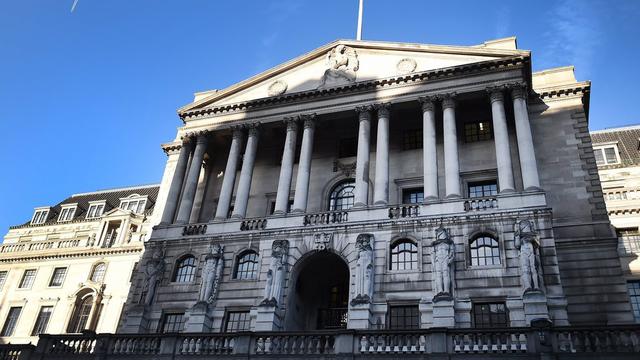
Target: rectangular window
{"points": [[237, 321], [490, 315], [95, 211], [412, 139], [3, 279], [347, 147], [413, 196], [483, 189], [66, 214], [172, 323], [634, 297], [58, 276], [136, 206], [42, 321], [11, 321], [477, 131], [606, 155], [404, 317], [28, 278], [40, 217]]}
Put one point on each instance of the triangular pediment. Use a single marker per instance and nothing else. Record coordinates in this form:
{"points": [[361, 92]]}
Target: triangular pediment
{"points": [[345, 61]]}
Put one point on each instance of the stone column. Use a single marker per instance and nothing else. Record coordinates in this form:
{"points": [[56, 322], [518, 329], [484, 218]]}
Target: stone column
{"points": [[200, 191], [451, 166], [246, 174], [191, 183], [361, 192], [429, 152], [286, 167], [381, 186], [501, 140], [530, 178], [226, 190], [304, 165], [176, 182]]}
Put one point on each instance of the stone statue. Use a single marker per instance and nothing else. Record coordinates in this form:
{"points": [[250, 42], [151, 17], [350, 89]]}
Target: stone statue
{"points": [[212, 273], [364, 270], [154, 270], [276, 273], [442, 256], [342, 62], [526, 240]]}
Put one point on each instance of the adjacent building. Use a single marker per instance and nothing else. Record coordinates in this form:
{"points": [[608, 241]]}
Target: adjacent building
{"points": [[69, 268]]}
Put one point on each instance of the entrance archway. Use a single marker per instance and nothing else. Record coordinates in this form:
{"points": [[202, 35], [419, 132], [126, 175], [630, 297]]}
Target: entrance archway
{"points": [[320, 293]]}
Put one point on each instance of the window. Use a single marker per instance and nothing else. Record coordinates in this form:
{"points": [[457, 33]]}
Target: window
{"points": [[80, 315], [606, 155], [412, 139], [404, 255], [11, 321], [40, 217], [28, 278], [98, 271], [483, 189], [341, 197], [490, 315], [58, 276], [3, 278], [347, 147], [185, 269], [477, 131], [247, 266], [237, 321], [634, 296], [404, 317], [135, 205], [172, 323], [413, 196], [95, 211], [484, 251], [66, 214], [42, 320]]}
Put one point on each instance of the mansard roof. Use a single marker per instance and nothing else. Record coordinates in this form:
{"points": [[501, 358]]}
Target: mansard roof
{"points": [[627, 138]]}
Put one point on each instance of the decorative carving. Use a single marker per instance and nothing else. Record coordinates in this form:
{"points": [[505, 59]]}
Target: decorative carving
{"points": [[212, 273], [254, 129], [448, 100], [383, 109], [323, 241], [276, 274], [526, 240], [428, 103], [442, 254], [276, 88], [518, 91], [292, 123], [406, 66], [495, 93], [364, 270], [237, 131], [346, 169], [342, 62], [154, 270], [194, 229]]}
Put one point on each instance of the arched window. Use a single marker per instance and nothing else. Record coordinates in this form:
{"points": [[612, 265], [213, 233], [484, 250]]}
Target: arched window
{"points": [[98, 271], [81, 314], [485, 250], [341, 196], [404, 255], [246, 266], [185, 269]]}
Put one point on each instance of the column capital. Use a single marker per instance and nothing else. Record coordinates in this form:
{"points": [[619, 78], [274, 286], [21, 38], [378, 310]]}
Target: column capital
{"points": [[363, 108], [495, 93], [291, 122], [203, 137], [237, 131], [428, 102], [254, 129], [448, 100], [383, 109], [308, 120], [519, 90]]}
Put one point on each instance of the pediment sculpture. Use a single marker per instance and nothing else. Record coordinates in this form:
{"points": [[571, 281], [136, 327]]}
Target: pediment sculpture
{"points": [[342, 63]]}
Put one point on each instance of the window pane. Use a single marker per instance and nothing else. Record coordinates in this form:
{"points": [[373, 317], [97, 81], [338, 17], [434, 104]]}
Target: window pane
{"points": [[172, 323], [81, 315], [186, 270], [140, 208], [413, 196], [599, 157], [27, 279], [484, 250], [3, 278], [610, 155], [404, 317], [483, 189], [42, 321], [97, 275], [11, 321], [634, 296], [58, 276], [247, 266], [238, 321], [342, 197], [404, 255], [412, 139], [490, 315], [477, 131]]}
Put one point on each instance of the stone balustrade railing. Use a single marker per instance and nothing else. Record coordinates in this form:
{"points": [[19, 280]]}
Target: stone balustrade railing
{"points": [[481, 204], [323, 218], [42, 245], [621, 339], [16, 351], [206, 344], [294, 343], [253, 224], [404, 211]]}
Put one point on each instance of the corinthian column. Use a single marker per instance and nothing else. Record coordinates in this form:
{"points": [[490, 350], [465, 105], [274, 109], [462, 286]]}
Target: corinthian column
{"points": [[286, 167], [381, 186], [501, 140], [304, 166], [530, 178], [246, 174], [429, 154], [226, 190], [361, 192], [451, 166], [191, 184], [176, 182]]}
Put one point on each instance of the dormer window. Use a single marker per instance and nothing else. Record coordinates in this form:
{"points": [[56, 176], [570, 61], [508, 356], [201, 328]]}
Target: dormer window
{"points": [[606, 155], [66, 213], [40, 216], [95, 210], [134, 203]]}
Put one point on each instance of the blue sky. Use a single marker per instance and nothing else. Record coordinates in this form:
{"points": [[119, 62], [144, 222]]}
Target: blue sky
{"points": [[87, 97]]}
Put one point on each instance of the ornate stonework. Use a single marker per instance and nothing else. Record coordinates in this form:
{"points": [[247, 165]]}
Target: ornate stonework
{"points": [[342, 63], [276, 88], [406, 66]]}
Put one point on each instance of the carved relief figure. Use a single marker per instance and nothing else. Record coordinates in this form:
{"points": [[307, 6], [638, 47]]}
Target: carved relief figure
{"points": [[526, 240], [276, 273], [342, 62], [364, 270], [442, 256], [212, 273], [153, 271]]}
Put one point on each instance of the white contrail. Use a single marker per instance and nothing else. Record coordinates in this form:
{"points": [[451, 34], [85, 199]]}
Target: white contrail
{"points": [[359, 32], [73, 7]]}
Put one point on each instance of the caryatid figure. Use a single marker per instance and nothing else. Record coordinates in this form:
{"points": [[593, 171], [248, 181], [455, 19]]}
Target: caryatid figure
{"points": [[442, 254], [526, 240], [154, 270], [212, 273], [276, 273], [364, 270]]}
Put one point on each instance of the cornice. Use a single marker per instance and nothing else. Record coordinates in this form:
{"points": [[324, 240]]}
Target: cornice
{"points": [[569, 90], [23, 256]]}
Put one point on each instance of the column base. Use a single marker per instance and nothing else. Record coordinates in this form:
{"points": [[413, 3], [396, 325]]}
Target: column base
{"points": [[533, 189], [430, 200], [180, 222], [381, 202], [237, 217], [453, 196], [279, 212], [298, 211], [359, 205], [507, 191]]}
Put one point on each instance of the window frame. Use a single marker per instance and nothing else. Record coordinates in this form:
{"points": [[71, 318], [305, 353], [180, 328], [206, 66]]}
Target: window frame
{"points": [[3, 279], [389, 316], [38, 327], [93, 272], [478, 183], [484, 235], [101, 205], [410, 191], [37, 213], [67, 212], [78, 313], [22, 279], [163, 322], [396, 243], [238, 262], [477, 136], [491, 324], [190, 275], [412, 139], [601, 148], [633, 291], [339, 186], [225, 323], [53, 274], [125, 203], [14, 323]]}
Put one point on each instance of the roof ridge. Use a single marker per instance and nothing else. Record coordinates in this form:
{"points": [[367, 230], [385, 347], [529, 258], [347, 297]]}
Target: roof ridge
{"points": [[144, 186], [614, 129]]}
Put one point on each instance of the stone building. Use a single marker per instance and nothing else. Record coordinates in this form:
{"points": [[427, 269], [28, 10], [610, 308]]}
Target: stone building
{"points": [[69, 268], [617, 153]]}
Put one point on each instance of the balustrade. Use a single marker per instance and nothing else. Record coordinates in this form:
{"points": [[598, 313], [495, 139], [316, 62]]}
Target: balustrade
{"points": [[394, 343], [330, 217], [404, 211], [597, 340], [40, 245], [194, 229], [489, 341], [134, 345], [253, 224], [480, 204], [307, 344], [206, 345]]}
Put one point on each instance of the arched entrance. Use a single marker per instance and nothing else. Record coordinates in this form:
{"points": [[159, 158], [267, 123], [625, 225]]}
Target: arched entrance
{"points": [[320, 293]]}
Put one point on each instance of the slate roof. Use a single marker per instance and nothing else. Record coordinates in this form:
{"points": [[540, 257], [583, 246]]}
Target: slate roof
{"points": [[627, 139], [111, 197]]}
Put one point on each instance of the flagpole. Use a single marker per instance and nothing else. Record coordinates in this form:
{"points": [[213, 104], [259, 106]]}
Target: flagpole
{"points": [[359, 32]]}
